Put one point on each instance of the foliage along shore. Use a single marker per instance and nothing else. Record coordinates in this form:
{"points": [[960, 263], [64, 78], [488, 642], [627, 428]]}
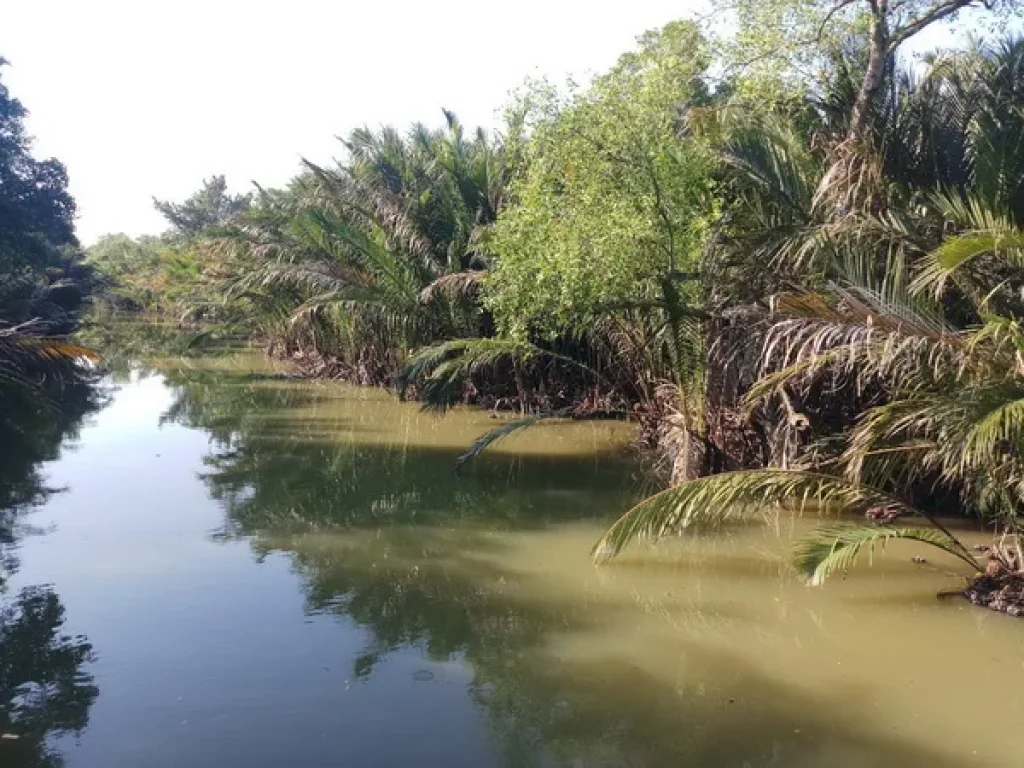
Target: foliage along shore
{"points": [[792, 255], [43, 288]]}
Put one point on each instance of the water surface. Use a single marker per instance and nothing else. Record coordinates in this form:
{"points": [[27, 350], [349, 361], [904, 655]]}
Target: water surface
{"points": [[248, 570]]}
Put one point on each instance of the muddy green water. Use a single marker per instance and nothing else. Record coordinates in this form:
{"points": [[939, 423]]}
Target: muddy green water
{"points": [[262, 572]]}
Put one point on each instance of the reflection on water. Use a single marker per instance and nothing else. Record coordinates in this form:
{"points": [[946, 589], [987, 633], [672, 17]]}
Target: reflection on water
{"points": [[33, 430], [277, 572], [296, 454], [45, 687]]}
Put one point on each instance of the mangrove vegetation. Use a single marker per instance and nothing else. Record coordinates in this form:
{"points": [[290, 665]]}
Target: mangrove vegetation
{"points": [[784, 245]]}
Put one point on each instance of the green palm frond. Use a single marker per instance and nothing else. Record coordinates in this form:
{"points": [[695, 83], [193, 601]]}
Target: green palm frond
{"points": [[962, 437], [774, 158], [835, 549], [492, 436], [372, 204], [951, 259], [989, 439], [442, 368], [714, 500], [998, 336]]}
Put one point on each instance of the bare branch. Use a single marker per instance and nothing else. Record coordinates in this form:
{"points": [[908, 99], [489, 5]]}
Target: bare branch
{"points": [[829, 15], [937, 13]]}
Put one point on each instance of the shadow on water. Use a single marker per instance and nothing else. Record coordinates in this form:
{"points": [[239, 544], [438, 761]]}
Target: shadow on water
{"points": [[382, 533]]}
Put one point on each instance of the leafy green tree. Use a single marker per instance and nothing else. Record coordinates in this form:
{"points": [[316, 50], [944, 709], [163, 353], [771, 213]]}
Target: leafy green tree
{"points": [[599, 247], [36, 211], [172, 274], [39, 293], [782, 44], [130, 267], [613, 202], [780, 38], [210, 208]]}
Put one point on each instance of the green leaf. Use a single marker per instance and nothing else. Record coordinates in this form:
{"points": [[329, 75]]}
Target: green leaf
{"points": [[492, 436], [711, 501], [835, 549]]}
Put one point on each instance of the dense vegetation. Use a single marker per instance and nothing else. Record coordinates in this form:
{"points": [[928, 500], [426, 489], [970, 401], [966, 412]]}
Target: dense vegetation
{"points": [[42, 286], [45, 393], [792, 255]]}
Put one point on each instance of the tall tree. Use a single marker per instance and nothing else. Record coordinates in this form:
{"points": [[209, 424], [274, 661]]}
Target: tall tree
{"points": [[612, 203], [36, 211], [776, 37], [207, 209]]}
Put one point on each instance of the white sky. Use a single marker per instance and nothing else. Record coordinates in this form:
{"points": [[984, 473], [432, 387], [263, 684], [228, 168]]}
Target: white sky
{"points": [[143, 99], [140, 98]]}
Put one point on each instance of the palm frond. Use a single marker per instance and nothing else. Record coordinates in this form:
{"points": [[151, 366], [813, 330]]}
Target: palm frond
{"points": [[442, 368], [455, 286], [835, 549], [492, 436], [951, 259], [858, 335], [714, 500], [55, 349]]}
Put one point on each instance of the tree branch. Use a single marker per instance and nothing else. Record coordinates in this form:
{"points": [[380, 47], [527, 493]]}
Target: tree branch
{"points": [[829, 15], [939, 12]]}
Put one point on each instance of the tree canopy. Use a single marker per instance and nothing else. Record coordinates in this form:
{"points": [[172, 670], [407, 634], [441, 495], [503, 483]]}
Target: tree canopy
{"points": [[36, 210], [778, 44], [613, 196], [208, 208]]}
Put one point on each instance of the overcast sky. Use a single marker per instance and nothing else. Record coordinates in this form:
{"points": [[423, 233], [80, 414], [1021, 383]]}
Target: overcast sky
{"points": [[142, 98]]}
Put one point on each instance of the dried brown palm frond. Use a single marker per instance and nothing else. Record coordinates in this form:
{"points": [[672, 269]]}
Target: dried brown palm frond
{"points": [[853, 183], [27, 359], [853, 337], [454, 287]]}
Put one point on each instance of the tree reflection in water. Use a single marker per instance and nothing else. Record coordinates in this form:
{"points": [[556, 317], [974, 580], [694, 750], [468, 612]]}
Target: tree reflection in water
{"points": [[382, 534], [33, 428], [45, 688], [289, 455]]}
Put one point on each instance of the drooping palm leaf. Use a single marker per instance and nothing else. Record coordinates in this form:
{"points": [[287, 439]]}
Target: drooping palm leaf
{"points": [[835, 549], [1002, 242], [442, 368], [711, 501], [492, 436]]}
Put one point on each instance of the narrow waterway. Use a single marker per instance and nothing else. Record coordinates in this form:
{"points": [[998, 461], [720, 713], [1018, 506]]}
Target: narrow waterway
{"points": [[226, 567]]}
